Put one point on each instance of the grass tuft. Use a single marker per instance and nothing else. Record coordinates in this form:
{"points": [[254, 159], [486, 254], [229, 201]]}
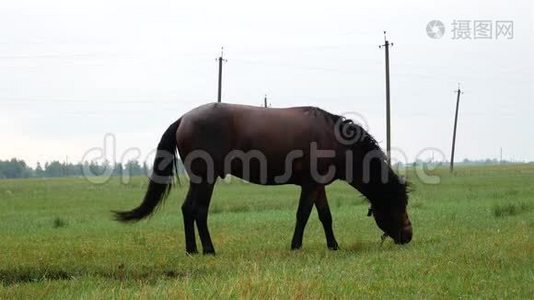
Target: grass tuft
{"points": [[59, 223], [509, 209]]}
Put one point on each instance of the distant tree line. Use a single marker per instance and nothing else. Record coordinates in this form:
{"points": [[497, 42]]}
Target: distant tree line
{"points": [[16, 168]]}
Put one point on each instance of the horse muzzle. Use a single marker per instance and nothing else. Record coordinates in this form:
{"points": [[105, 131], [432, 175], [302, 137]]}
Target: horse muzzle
{"points": [[405, 235]]}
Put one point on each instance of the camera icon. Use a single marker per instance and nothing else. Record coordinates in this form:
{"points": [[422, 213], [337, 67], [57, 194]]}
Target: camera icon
{"points": [[435, 29]]}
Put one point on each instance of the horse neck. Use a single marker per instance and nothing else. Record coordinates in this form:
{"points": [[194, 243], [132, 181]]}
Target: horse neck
{"points": [[375, 179]]}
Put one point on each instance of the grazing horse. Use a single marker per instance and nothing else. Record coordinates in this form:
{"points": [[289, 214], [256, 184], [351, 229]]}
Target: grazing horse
{"points": [[305, 146]]}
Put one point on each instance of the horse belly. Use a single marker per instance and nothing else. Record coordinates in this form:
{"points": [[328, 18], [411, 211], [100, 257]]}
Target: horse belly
{"points": [[265, 168]]}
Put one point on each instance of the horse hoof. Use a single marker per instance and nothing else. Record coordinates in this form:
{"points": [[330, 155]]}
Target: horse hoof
{"points": [[295, 247], [332, 246], [209, 252], [191, 253]]}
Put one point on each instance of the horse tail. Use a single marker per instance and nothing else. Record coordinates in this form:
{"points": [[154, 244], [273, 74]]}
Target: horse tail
{"points": [[161, 180]]}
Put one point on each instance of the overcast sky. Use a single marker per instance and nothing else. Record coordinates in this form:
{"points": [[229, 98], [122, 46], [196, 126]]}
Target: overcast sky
{"points": [[72, 71]]}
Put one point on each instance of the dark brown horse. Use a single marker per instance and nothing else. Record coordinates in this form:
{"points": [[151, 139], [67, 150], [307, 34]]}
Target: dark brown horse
{"points": [[305, 146]]}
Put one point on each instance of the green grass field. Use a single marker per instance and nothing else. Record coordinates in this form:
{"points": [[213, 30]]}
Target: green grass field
{"points": [[473, 238]]}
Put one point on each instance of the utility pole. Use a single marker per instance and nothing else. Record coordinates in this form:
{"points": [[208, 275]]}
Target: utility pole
{"points": [[66, 166], [220, 59], [388, 112], [458, 92]]}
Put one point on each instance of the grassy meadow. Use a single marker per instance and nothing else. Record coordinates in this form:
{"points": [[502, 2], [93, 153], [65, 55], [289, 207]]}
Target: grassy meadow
{"points": [[473, 238]]}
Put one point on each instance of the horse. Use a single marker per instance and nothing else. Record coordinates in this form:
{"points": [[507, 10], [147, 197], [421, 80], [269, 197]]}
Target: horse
{"points": [[303, 146]]}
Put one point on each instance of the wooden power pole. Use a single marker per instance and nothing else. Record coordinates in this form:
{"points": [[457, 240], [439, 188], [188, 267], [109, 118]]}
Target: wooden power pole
{"points": [[220, 60], [388, 112], [458, 92]]}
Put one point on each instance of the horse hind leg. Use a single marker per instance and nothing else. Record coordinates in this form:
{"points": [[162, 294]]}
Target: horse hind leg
{"points": [[188, 209], [203, 193], [323, 210], [303, 213]]}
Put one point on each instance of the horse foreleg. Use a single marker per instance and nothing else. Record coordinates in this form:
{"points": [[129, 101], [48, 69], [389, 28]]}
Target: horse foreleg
{"points": [[323, 210], [303, 213], [203, 194]]}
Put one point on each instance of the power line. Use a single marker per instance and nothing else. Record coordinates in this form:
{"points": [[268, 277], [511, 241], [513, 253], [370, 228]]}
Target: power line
{"points": [[293, 66]]}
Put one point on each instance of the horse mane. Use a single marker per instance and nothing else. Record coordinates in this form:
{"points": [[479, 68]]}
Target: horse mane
{"points": [[366, 140], [395, 185]]}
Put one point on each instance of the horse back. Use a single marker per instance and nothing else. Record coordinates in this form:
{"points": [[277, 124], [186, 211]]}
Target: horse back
{"points": [[231, 133]]}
